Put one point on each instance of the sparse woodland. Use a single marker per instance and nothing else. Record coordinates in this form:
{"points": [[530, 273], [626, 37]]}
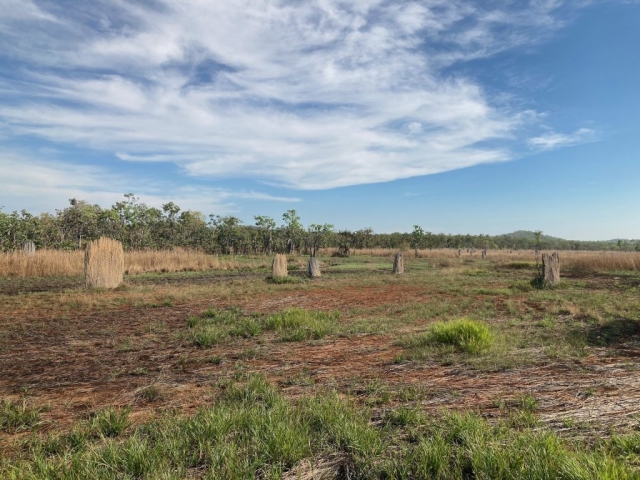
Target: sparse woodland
{"points": [[139, 227]]}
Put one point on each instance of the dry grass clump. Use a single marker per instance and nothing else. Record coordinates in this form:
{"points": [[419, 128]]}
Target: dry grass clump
{"points": [[104, 263], [601, 261], [43, 263], [58, 263], [176, 260]]}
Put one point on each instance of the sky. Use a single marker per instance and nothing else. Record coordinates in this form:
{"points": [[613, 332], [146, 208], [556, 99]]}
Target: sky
{"points": [[460, 116]]}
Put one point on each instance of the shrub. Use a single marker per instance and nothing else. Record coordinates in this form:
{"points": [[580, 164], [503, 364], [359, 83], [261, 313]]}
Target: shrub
{"points": [[466, 335]]}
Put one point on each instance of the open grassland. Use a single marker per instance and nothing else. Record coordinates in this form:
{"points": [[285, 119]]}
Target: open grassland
{"points": [[460, 368], [586, 261]]}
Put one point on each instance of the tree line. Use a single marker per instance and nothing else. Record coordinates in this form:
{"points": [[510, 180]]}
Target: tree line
{"points": [[139, 226]]}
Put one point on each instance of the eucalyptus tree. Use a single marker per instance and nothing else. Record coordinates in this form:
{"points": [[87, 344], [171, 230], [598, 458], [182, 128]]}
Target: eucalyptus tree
{"points": [[293, 230], [317, 236], [417, 239], [266, 227]]}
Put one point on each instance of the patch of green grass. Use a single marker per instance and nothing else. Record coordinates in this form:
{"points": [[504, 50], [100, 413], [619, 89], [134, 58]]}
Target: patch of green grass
{"points": [[285, 280], [252, 431], [207, 335], [523, 286], [464, 335], [302, 379], [215, 360], [110, 422], [215, 326], [150, 394], [18, 416], [296, 324], [520, 265]]}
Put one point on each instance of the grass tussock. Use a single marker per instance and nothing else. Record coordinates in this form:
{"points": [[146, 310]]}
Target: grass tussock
{"points": [[298, 324], [57, 263], [214, 327], [18, 416], [253, 431], [463, 335]]}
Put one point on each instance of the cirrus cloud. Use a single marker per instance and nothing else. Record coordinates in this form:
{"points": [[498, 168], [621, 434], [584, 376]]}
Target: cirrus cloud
{"points": [[307, 95]]}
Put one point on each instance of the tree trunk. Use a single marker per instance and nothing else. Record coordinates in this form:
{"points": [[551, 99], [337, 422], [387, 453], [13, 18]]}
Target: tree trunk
{"points": [[290, 247]]}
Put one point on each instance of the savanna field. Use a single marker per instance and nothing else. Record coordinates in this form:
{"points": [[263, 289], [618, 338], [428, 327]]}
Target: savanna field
{"points": [[200, 366]]}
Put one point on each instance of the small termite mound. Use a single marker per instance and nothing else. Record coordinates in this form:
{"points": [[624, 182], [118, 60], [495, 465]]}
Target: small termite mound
{"points": [[550, 268], [313, 268], [104, 263], [279, 266], [398, 264], [29, 248]]}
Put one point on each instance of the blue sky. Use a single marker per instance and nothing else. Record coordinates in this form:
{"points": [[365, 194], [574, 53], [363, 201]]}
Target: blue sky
{"points": [[460, 116]]}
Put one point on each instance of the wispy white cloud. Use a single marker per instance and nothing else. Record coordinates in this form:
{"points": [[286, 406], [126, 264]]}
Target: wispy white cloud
{"points": [[551, 140], [38, 185], [309, 95]]}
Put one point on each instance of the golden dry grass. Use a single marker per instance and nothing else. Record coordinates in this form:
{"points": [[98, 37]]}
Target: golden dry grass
{"points": [[57, 263], [48, 263], [104, 263], [569, 259]]}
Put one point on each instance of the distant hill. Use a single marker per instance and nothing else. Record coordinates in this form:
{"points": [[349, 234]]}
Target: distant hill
{"points": [[529, 235]]}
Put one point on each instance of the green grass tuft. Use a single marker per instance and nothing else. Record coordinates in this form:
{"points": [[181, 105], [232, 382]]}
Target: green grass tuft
{"points": [[297, 324], [464, 335], [467, 335], [110, 422], [18, 416]]}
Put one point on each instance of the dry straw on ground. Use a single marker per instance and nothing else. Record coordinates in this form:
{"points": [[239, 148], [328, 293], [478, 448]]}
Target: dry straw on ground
{"points": [[104, 263]]}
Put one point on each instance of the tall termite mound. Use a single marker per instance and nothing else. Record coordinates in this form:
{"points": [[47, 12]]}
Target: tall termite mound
{"points": [[398, 264], [103, 263], [279, 266], [29, 248], [550, 268], [313, 268]]}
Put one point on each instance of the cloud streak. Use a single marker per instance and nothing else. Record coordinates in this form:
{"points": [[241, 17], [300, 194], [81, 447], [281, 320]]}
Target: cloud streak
{"points": [[307, 95], [553, 140], [56, 182]]}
